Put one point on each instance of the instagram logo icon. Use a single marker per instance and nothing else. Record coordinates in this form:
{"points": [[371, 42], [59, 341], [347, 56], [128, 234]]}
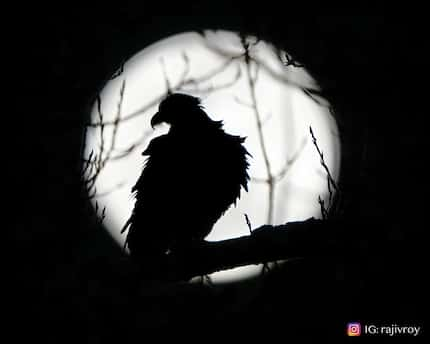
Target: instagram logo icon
{"points": [[353, 329]]}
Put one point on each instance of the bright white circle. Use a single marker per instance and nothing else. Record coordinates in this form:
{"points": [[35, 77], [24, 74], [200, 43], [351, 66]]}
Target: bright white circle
{"points": [[184, 63]]}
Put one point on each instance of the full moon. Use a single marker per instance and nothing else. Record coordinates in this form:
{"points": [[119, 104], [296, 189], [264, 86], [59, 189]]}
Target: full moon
{"points": [[247, 83]]}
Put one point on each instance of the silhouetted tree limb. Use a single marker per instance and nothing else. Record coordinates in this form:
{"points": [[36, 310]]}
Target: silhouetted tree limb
{"points": [[265, 244], [334, 200]]}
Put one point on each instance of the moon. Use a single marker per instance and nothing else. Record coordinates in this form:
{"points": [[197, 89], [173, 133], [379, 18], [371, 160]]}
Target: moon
{"points": [[264, 100]]}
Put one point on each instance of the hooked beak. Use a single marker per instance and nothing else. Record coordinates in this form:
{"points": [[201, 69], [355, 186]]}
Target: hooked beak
{"points": [[156, 119]]}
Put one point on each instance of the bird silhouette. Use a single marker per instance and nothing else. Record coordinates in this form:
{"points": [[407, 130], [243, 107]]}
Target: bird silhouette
{"points": [[192, 175]]}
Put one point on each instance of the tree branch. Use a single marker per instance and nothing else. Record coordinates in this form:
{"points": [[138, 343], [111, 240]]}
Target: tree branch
{"points": [[265, 244]]}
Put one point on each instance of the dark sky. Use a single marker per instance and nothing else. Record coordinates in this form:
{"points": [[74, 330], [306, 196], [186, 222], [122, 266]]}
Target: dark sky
{"points": [[71, 281]]}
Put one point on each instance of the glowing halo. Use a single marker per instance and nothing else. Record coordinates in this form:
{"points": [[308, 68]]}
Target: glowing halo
{"points": [[212, 66]]}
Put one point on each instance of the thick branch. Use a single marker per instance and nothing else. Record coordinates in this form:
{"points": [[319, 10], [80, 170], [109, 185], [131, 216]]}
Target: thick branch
{"points": [[265, 244]]}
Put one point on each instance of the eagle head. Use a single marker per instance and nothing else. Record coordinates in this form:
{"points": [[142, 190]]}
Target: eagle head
{"points": [[177, 109]]}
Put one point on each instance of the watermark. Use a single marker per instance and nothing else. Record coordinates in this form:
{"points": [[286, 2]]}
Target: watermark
{"points": [[356, 329]]}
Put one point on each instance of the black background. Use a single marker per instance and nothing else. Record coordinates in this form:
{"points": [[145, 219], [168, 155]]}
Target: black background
{"points": [[71, 283]]}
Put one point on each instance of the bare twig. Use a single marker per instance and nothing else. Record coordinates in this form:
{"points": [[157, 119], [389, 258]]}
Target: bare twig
{"points": [[166, 78], [186, 86], [326, 211], [119, 71], [291, 62], [323, 164], [248, 223], [116, 123], [290, 162], [267, 119], [259, 180], [186, 70], [252, 79], [313, 94], [102, 137]]}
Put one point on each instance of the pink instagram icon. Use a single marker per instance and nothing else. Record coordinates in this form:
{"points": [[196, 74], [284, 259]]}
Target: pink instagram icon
{"points": [[354, 329]]}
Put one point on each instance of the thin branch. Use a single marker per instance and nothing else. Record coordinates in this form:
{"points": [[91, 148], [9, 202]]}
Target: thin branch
{"points": [[324, 211], [313, 94], [290, 162], [211, 88], [267, 119], [334, 195], [87, 163], [124, 153], [134, 114], [323, 164], [248, 223], [251, 83], [166, 78], [116, 122], [256, 73], [209, 75], [259, 180], [119, 71], [102, 126], [291, 62], [186, 70]]}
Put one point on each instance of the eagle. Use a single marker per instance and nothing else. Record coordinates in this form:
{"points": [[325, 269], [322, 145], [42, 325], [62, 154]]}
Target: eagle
{"points": [[191, 177]]}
